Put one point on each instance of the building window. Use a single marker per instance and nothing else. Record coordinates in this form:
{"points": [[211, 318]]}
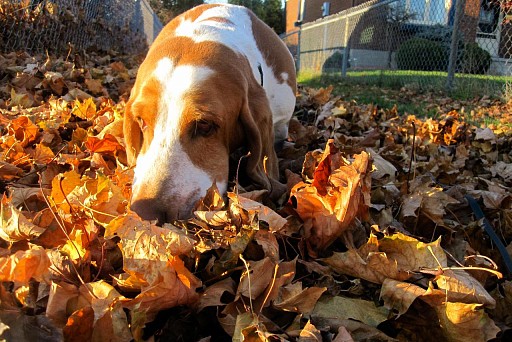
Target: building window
{"points": [[429, 12], [489, 17]]}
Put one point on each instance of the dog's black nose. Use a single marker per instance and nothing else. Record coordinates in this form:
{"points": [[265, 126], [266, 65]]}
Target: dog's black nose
{"points": [[150, 209]]}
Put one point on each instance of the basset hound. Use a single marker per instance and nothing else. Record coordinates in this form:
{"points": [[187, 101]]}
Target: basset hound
{"points": [[215, 79]]}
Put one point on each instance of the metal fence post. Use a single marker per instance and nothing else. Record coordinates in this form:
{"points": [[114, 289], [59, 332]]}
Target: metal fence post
{"points": [[297, 63], [452, 62], [344, 64]]}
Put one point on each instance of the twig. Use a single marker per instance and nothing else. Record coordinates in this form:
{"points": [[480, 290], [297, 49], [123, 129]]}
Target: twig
{"points": [[249, 279], [37, 170], [271, 287], [101, 263], [412, 155], [237, 184], [442, 269], [61, 225], [61, 178]]}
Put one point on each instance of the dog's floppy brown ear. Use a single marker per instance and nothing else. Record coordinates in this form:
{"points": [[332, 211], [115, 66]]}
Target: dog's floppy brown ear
{"points": [[132, 135], [262, 164]]}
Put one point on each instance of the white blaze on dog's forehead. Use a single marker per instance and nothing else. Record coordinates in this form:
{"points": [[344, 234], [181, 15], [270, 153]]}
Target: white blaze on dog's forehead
{"points": [[236, 33], [165, 162], [207, 27], [176, 82]]}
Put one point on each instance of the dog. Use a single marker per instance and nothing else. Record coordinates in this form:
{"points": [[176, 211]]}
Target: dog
{"points": [[215, 79]]}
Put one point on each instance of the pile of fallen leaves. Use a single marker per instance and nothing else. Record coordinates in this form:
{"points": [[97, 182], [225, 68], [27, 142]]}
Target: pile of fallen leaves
{"points": [[396, 228]]}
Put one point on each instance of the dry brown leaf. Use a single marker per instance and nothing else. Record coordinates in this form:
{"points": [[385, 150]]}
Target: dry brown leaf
{"points": [[76, 246], [146, 240], [255, 280], [107, 144], [103, 199], [399, 295], [24, 265], [268, 242], [359, 330], [8, 171], [43, 154], [94, 86], [20, 327], [59, 302], [55, 81], [24, 130], [343, 335], [382, 169], [213, 293], [100, 197], [77, 94], [21, 98], [274, 220], [367, 263], [79, 326], [84, 110], [113, 325], [310, 334], [502, 170], [284, 273], [322, 95], [248, 328], [466, 322], [150, 259], [212, 201], [296, 299], [460, 287], [109, 318], [340, 192], [350, 308], [431, 201], [62, 186], [503, 296], [173, 285], [15, 226], [411, 254], [485, 134], [219, 218]]}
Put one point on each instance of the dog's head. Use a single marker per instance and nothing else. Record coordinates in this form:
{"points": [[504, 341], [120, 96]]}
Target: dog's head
{"points": [[192, 104]]}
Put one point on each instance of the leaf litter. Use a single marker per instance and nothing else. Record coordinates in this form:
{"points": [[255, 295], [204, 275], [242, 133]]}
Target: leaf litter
{"points": [[376, 241]]}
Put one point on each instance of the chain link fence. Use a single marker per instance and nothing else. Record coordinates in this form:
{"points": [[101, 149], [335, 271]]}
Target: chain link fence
{"points": [[57, 26], [441, 44]]}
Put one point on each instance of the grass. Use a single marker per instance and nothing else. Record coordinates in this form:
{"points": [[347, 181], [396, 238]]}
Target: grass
{"points": [[382, 87]]}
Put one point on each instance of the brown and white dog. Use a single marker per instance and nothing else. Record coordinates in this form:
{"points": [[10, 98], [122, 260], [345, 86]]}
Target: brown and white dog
{"points": [[215, 79]]}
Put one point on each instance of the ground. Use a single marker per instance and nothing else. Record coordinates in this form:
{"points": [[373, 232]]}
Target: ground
{"points": [[398, 225]]}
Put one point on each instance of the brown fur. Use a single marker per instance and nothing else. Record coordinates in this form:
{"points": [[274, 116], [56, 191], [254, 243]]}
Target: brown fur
{"points": [[233, 99]]}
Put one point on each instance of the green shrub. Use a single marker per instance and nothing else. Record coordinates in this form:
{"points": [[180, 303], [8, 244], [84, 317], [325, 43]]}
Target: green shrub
{"points": [[421, 54], [475, 60], [442, 35], [333, 63]]}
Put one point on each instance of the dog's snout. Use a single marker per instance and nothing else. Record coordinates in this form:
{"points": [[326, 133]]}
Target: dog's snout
{"points": [[150, 209]]}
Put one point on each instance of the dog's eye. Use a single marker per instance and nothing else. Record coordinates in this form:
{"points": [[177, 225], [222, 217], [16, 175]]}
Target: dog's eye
{"points": [[204, 128], [142, 124]]}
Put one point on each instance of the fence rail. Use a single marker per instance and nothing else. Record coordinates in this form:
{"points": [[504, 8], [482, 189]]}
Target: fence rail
{"points": [[58, 25], [438, 43]]}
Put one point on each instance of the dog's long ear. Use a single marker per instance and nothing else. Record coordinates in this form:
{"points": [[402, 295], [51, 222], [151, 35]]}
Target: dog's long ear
{"points": [[141, 110], [262, 164], [132, 134]]}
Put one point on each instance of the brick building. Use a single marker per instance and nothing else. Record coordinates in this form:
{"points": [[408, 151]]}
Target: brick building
{"points": [[483, 22]]}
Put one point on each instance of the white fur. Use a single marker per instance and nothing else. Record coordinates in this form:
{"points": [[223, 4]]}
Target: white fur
{"points": [[238, 36], [165, 162]]}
